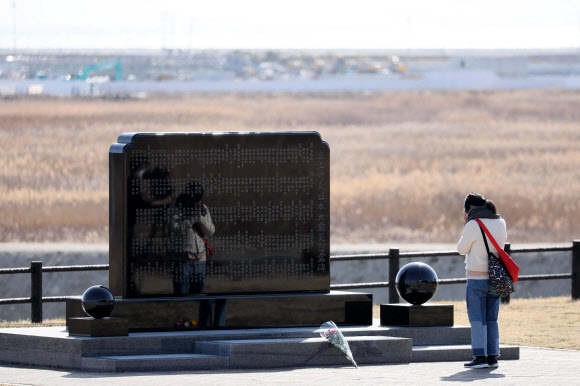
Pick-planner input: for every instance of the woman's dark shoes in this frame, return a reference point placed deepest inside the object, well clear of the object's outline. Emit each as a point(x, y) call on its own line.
point(492, 361)
point(479, 362)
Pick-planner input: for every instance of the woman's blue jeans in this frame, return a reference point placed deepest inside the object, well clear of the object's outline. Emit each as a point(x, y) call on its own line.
point(482, 310)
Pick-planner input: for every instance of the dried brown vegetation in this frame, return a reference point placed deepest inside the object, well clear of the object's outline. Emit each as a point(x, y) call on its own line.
point(539, 322)
point(401, 161)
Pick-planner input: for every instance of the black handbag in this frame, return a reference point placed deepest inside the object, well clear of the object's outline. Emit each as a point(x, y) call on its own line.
point(499, 280)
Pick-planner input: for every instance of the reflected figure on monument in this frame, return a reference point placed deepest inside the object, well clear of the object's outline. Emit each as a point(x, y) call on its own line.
point(191, 225)
point(151, 196)
point(154, 193)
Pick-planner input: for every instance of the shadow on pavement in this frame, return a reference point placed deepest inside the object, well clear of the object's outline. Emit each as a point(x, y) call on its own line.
point(473, 375)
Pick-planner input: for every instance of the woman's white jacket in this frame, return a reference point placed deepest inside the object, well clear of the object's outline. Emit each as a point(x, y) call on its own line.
point(471, 243)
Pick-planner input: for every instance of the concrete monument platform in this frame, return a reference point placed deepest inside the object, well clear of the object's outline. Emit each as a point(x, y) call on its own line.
point(245, 348)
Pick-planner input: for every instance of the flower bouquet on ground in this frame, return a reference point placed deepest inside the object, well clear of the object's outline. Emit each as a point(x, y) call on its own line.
point(331, 333)
point(185, 323)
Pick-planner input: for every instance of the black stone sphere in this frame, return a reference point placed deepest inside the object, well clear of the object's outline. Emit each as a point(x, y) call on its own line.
point(98, 301)
point(416, 283)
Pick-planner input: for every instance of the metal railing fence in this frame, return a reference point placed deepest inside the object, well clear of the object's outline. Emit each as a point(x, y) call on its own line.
point(36, 271)
point(394, 257)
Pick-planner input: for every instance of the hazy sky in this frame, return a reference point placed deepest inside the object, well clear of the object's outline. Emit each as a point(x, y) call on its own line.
point(320, 24)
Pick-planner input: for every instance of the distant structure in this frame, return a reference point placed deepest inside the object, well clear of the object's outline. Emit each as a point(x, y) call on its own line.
point(121, 74)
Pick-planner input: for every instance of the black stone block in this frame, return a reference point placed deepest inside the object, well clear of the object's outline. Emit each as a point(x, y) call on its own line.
point(268, 197)
point(98, 327)
point(358, 313)
point(425, 315)
point(239, 311)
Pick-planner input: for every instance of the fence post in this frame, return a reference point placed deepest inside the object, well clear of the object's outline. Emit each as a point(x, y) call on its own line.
point(393, 270)
point(506, 299)
point(36, 291)
point(576, 269)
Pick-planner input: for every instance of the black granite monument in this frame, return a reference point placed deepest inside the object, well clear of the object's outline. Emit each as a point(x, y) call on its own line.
point(214, 230)
point(264, 196)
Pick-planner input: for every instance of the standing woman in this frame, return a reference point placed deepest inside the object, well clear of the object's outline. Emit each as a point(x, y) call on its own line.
point(482, 301)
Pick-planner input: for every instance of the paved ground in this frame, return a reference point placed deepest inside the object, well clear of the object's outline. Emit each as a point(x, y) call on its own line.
point(536, 366)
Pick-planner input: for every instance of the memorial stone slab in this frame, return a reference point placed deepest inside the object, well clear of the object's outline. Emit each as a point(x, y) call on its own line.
point(219, 213)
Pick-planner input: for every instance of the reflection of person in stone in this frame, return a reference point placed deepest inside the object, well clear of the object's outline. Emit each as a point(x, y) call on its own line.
point(154, 192)
point(482, 300)
point(192, 223)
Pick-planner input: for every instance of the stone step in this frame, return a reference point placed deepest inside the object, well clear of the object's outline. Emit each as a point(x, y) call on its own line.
point(52, 346)
point(290, 352)
point(160, 362)
point(184, 342)
point(429, 335)
point(449, 353)
point(298, 352)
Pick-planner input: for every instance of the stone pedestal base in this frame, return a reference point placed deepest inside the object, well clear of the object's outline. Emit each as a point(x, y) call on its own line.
point(238, 311)
point(98, 327)
point(425, 315)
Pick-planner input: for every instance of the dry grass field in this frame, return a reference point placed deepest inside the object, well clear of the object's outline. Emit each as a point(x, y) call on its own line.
point(401, 161)
point(540, 322)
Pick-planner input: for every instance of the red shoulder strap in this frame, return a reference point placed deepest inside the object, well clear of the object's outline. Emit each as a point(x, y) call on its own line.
point(489, 236)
